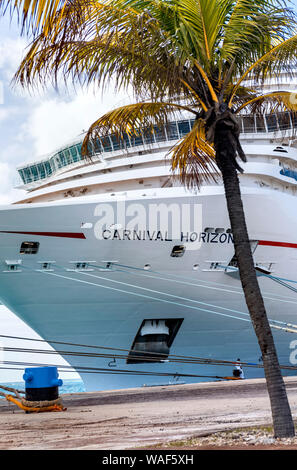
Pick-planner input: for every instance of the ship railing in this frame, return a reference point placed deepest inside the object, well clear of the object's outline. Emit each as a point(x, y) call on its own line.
point(71, 156)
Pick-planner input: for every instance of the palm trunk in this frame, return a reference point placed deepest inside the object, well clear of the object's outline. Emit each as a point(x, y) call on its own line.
point(281, 413)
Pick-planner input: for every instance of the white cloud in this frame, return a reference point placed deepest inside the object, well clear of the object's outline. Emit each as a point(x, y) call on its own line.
point(4, 113)
point(5, 175)
point(11, 54)
point(56, 121)
point(34, 125)
point(1, 93)
point(8, 112)
point(8, 177)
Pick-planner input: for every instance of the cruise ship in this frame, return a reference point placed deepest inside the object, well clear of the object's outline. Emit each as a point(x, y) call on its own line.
point(132, 278)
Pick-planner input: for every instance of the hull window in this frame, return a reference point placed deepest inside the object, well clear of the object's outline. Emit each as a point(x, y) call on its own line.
point(178, 251)
point(153, 340)
point(29, 248)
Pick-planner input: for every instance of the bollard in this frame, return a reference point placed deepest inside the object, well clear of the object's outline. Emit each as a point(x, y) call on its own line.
point(42, 383)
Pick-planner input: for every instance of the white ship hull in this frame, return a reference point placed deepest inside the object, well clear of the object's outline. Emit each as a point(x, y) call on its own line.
point(106, 304)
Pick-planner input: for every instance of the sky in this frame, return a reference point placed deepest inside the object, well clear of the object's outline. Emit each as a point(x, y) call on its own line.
point(32, 126)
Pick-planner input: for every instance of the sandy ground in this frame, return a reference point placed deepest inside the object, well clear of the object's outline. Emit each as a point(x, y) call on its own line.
point(135, 418)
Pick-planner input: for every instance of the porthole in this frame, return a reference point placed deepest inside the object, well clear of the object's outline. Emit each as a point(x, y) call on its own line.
point(196, 267)
point(29, 248)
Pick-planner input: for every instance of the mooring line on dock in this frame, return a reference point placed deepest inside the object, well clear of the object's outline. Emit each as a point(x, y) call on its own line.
point(182, 359)
point(151, 359)
point(82, 369)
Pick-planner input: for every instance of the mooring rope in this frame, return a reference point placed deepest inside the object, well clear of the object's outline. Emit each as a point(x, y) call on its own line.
point(84, 369)
point(30, 406)
point(171, 358)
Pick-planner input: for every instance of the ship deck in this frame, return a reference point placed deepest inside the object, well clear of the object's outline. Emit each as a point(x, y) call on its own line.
point(144, 417)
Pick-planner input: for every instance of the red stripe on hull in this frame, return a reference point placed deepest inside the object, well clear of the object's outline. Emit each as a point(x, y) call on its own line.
point(279, 244)
point(50, 234)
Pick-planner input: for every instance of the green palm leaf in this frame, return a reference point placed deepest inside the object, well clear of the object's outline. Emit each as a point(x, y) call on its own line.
point(132, 120)
point(36, 14)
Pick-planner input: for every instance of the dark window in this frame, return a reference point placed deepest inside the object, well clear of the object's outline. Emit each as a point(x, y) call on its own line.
point(78, 147)
point(284, 120)
point(74, 154)
point(178, 251)
point(260, 124)
point(41, 170)
point(62, 158)
point(22, 175)
point(34, 172)
point(159, 133)
point(249, 124)
point(136, 139)
point(125, 141)
point(105, 141)
point(48, 168)
point(29, 248)
point(183, 127)
point(172, 131)
point(271, 123)
point(148, 135)
point(116, 142)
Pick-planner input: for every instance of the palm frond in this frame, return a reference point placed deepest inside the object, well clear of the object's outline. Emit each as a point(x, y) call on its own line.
point(99, 62)
point(268, 102)
point(193, 158)
point(253, 26)
point(104, 42)
point(156, 45)
point(202, 21)
point(131, 120)
point(35, 15)
point(276, 59)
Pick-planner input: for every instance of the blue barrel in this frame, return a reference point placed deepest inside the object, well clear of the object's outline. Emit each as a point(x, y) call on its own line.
point(42, 383)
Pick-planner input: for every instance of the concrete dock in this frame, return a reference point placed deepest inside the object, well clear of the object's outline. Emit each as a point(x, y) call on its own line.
point(135, 418)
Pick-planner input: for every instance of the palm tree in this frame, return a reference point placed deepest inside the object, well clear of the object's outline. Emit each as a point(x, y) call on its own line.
point(206, 57)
